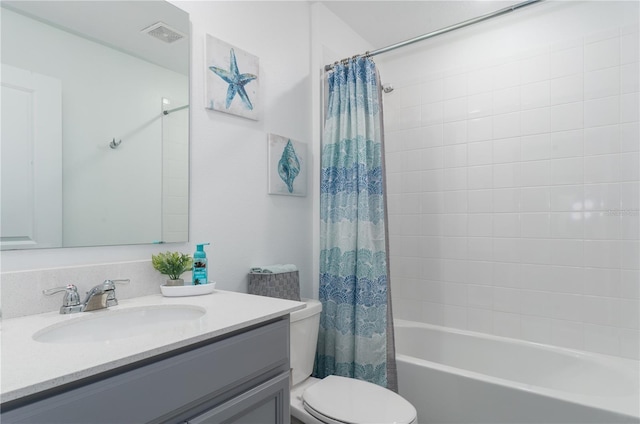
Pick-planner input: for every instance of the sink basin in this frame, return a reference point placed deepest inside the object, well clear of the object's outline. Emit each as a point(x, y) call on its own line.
point(106, 325)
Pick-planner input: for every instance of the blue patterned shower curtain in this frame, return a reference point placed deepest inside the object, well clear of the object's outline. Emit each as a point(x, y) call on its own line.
point(354, 339)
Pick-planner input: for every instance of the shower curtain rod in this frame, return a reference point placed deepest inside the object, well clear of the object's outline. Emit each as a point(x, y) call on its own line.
point(166, 112)
point(440, 31)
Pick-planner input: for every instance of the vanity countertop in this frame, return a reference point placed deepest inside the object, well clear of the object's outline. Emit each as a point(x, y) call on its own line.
point(29, 366)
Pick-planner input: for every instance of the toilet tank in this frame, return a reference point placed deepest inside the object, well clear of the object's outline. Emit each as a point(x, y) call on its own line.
point(304, 338)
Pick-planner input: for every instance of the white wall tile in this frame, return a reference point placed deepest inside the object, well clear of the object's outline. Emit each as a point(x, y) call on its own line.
point(629, 107)
point(567, 144)
point(506, 75)
point(454, 109)
point(604, 111)
point(567, 225)
point(535, 173)
point(566, 89)
point(602, 54)
point(480, 224)
point(512, 180)
point(601, 169)
point(480, 201)
point(629, 78)
point(535, 147)
point(629, 137)
point(566, 62)
point(480, 320)
point(535, 121)
point(480, 248)
point(480, 273)
point(506, 100)
point(535, 68)
point(536, 329)
point(601, 339)
point(507, 125)
point(602, 140)
point(455, 179)
point(455, 155)
point(479, 129)
point(602, 83)
point(535, 199)
point(506, 225)
point(506, 200)
point(455, 86)
point(568, 116)
point(480, 177)
point(506, 150)
point(480, 81)
point(506, 175)
point(629, 48)
point(535, 225)
point(455, 132)
point(601, 197)
point(480, 153)
point(432, 113)
point(507, 274)
point(535, 95)
point(567, 171)
point(479, 105)
point(601, 226)
point(568, 252)
point(432, 91)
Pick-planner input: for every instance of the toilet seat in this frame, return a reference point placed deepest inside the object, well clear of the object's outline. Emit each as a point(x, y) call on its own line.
point(340, 400)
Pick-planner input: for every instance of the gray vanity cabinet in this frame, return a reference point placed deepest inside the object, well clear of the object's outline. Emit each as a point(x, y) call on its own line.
point(242, 378)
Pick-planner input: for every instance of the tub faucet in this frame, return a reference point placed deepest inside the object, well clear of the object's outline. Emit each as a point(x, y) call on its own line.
point(99, 297)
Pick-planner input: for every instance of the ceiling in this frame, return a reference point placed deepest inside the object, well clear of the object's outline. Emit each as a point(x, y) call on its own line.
point(117, 24)
point(383, 23)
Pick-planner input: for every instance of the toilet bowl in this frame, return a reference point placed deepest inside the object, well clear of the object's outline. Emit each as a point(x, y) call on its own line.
point(334, 399)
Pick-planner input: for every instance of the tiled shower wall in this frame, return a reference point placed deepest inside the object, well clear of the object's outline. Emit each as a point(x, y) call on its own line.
point(513, 196)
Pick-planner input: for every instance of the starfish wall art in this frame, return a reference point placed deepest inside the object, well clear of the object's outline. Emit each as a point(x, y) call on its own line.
point(232, 80)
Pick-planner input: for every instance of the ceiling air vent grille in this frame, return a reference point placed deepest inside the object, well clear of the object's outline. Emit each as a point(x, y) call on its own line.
point(164, 32)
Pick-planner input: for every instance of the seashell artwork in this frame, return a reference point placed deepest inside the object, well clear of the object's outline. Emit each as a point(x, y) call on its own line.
point(287, 166)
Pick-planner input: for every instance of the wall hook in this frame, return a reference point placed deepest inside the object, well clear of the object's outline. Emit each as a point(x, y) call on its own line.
point(114, 144)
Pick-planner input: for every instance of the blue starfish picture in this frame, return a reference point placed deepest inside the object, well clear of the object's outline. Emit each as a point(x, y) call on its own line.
point(236, 82)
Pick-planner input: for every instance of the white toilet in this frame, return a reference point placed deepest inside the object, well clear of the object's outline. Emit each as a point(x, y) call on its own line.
point(335, 400)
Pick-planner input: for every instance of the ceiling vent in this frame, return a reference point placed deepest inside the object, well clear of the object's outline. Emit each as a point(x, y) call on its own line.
point(163, 32)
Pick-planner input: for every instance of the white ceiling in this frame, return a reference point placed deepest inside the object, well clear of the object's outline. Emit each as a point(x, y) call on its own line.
point(383, 23)
point(117, 24)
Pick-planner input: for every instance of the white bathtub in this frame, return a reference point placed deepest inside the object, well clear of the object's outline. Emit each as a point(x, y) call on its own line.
point(455, 376)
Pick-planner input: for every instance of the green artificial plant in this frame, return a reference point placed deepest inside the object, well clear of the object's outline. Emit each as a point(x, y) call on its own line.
point(172, 264)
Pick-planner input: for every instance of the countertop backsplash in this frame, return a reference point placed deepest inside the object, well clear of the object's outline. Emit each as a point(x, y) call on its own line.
point(22, 290)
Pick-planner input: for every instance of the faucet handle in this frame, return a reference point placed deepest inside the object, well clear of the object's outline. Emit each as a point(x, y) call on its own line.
point(71, 296)
point(111, 285)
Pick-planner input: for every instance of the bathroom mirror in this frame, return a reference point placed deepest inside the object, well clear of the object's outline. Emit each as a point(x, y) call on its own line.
point(95, 123)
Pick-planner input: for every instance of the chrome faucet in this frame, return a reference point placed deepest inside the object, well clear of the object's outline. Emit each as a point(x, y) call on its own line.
point(100, 297)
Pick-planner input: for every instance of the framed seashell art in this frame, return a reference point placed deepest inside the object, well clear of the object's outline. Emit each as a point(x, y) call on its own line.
point(287, 166)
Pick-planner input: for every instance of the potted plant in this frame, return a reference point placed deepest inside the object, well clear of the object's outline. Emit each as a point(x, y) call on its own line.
point(172, 264)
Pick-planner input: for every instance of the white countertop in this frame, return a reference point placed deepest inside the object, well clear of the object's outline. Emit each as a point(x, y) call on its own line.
point(29, 366)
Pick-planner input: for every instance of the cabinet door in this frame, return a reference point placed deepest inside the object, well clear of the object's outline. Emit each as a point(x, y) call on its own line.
point(267, 403)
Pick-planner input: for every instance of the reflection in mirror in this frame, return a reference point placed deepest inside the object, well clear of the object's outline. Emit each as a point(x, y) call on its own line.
point(95, 123)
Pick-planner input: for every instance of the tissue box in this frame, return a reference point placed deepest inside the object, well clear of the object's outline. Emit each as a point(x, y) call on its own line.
point(285, 285)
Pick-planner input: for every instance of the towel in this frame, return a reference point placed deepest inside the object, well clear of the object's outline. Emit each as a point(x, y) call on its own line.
point(274, 269)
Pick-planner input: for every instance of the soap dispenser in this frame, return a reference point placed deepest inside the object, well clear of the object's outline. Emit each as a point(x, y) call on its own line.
point(200, 265)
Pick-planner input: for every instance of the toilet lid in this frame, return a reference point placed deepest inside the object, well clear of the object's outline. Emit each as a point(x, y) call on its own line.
point(348, 400)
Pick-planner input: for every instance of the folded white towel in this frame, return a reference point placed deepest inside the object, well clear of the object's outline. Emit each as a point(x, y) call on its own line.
point(274, 269)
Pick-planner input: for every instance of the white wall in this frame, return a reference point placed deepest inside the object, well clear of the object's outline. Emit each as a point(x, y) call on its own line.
point(512, 152)
point(103, 188)
point(230, 206)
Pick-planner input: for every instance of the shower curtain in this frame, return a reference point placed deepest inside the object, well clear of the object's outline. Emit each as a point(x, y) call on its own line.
point(356, 330)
